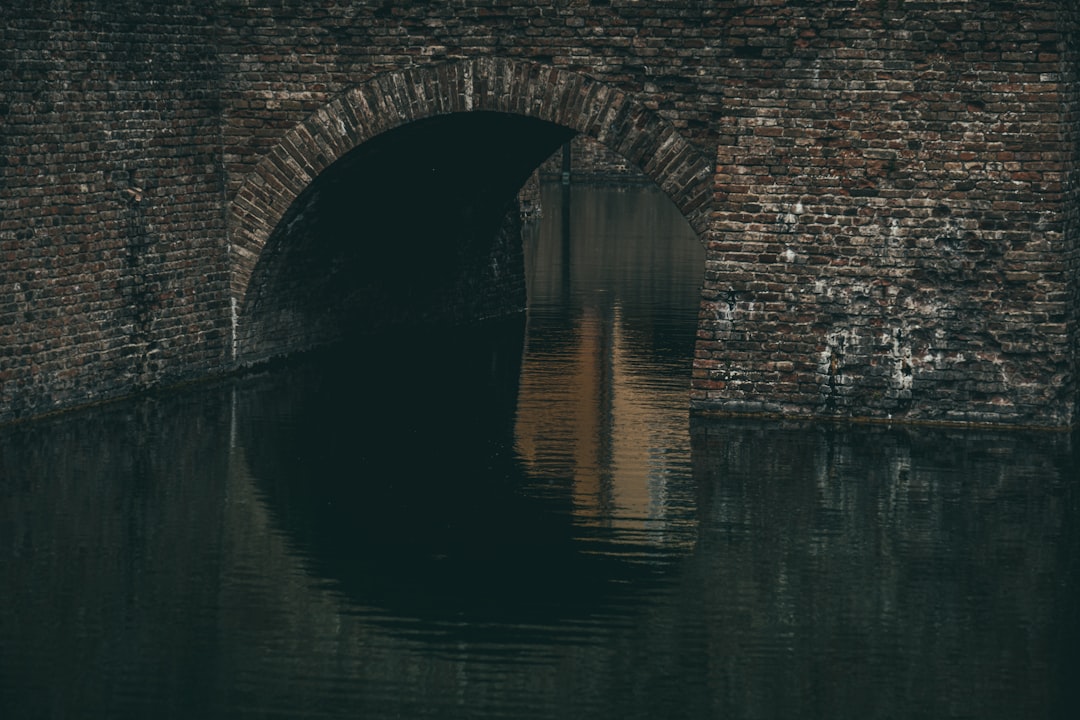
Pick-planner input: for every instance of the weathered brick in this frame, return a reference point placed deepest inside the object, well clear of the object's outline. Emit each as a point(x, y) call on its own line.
point(146, 156)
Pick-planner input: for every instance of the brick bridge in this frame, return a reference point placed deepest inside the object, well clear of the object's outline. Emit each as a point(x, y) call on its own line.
point(887, 189)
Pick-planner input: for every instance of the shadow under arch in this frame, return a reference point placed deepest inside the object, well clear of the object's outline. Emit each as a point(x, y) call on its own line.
point(431, 516)
point(394, 100)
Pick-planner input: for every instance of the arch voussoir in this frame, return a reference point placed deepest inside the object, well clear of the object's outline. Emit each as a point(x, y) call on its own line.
point(309, 143)
point(529, 90)
point(389, 109)
point(293, 158)
point(330, 129)
point(543, 90)
point(283, 173)
point(612, 127)
point(444, 77)
point(565, 92)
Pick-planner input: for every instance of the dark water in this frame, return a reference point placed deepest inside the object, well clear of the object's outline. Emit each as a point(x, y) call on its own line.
point(449, 527)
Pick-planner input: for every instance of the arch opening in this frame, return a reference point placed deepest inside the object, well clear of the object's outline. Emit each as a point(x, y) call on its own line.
point(414, 227)
point(397, 201)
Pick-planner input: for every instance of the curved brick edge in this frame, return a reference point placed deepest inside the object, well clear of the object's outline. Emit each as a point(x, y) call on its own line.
point(397, 98)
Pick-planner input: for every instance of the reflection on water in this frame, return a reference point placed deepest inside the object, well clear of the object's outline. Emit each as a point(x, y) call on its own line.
point(606, 371)
point(871, 572)
point(444, 526)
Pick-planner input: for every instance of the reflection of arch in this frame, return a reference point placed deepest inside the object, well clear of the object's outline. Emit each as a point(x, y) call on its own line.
point(488, 84)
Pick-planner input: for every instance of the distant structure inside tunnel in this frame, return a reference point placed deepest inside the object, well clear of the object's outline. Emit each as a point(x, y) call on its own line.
point(888, 190)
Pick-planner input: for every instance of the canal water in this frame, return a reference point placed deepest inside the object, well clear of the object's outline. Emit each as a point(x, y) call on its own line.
point(527, 524)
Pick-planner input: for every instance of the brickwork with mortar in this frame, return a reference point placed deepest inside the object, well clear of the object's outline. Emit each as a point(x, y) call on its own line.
point(887, 189)
point(892, 234)
point(112, 212)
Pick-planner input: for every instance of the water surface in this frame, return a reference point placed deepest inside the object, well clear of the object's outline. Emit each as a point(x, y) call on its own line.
point(525, 523)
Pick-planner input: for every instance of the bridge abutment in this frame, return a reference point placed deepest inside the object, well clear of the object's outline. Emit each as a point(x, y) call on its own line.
point(894, 228)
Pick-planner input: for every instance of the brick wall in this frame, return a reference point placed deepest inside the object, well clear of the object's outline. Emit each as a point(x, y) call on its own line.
point(1070, 71)
point(111, 213)
point(891, 225)
point(890, 236)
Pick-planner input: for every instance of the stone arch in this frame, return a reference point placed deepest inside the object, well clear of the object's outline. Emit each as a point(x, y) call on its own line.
point(398, 98)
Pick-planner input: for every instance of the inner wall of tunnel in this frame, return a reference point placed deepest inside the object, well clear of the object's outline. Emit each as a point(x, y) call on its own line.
point(418, 226)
